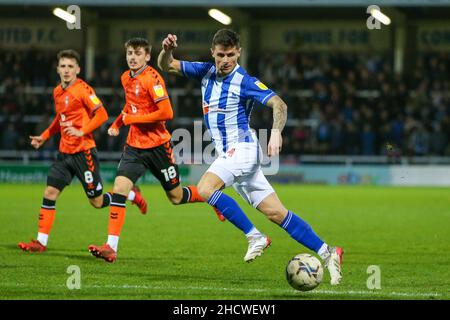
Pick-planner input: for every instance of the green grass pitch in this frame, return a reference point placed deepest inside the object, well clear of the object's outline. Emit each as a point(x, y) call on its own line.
point(185, 252)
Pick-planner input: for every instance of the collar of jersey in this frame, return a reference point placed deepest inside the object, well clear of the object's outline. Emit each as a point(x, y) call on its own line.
point(65, 88)
point(233, 71)
point(139, 72)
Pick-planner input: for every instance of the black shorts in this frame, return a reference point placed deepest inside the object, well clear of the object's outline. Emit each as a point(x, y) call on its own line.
point(84, 165)
point(158, 160)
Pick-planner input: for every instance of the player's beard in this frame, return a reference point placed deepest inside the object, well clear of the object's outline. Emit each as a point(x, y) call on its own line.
point(224, 70)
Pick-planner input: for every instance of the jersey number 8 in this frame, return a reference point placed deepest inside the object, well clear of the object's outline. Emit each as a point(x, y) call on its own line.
point(88, 177)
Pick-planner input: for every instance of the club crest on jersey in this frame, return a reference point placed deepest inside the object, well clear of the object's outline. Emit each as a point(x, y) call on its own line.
point(94, 99)
point(159, 91)
point(63, 117)
point(261, 85)
point(205, 108)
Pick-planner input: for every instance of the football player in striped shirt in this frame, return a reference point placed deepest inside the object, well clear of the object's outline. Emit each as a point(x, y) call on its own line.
point(228, 94)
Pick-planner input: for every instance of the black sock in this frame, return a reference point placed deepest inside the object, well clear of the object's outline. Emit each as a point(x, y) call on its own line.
point(186, 195)
point(106, 199)
point(48, 204)
point(118, 199)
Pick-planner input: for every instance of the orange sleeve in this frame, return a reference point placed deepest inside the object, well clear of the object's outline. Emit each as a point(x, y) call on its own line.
point(90, 99)
point(157, 88)
point(97, 120)
point(118, 122)
point(52, 129)
point(163, 113)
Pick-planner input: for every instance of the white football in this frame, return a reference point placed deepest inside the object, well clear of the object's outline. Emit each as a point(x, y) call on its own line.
point(304, 272)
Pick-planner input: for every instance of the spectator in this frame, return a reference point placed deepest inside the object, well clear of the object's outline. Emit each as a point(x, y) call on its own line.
point(323, 89)
point(10, 137)
point(367, 140)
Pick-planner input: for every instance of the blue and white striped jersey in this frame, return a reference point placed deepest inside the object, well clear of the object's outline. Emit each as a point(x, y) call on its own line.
point(227, 101)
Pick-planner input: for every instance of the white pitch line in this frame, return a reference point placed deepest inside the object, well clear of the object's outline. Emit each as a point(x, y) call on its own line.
point(351, 292)
point(315, 292)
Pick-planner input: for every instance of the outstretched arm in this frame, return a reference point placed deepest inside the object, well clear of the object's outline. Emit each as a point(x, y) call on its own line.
point(113, 130)
point(166, 61)
point(53, 128)
point(279, 121)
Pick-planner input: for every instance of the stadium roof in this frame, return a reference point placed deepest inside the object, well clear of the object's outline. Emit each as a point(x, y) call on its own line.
point(249, 13)
point(228, 3)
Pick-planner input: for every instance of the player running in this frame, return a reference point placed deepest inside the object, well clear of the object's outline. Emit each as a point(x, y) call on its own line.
point(78, 113)
point(228, 94)
point(148, 145)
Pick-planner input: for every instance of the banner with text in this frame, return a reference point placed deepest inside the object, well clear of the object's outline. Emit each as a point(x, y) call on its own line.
point(192, 35)
point(26, 34)
point(329, 35)
point(37, 173)
point(434, 36)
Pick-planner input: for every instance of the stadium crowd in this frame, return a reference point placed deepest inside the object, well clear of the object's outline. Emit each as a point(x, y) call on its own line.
point(339, 103)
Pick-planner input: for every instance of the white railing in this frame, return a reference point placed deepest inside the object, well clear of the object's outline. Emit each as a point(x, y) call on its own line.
point(30, 156)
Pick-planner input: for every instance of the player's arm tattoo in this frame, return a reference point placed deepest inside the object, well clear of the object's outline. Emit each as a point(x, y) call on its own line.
point(279, 112)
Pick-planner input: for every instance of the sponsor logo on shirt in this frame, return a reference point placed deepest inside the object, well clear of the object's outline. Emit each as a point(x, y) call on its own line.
point(94, 99)
point(261, 85)
point(65, 123)
point(159, 91)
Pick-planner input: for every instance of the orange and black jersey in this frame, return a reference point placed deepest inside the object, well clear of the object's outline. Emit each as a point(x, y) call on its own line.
point(76, 106)
point(147, 107)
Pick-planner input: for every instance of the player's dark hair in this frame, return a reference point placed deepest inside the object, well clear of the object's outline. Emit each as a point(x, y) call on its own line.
point(136, 43)
point(226, 38)
point(69, 54)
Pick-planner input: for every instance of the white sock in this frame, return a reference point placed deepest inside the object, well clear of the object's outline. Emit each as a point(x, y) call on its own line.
point(131, 195)
point(113, 242)
point(253, 232)
point(323, 251)
point(42, 238)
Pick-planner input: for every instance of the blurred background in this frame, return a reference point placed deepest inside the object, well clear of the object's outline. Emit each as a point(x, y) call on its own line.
point(368, 103)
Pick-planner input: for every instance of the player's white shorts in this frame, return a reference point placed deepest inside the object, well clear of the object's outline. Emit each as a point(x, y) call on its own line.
point(240, 166)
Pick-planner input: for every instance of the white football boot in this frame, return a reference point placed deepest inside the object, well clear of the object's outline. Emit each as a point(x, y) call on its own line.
point(333, 263)
point(256, 246)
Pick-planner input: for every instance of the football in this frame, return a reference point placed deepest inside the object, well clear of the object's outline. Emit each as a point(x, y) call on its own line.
point(304, 272)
